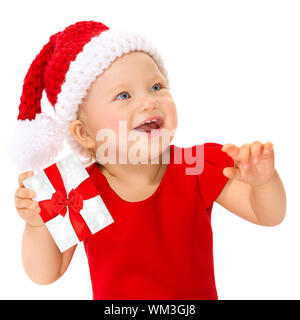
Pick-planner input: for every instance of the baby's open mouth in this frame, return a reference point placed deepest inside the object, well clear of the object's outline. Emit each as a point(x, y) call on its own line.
point(150, 125)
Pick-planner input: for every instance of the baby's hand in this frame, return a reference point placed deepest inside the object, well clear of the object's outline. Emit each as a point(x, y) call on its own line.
point(27, 208)
point(253, 163)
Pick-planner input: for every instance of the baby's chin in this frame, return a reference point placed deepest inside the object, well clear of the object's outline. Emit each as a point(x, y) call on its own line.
point(142, 150)
point(146, 152)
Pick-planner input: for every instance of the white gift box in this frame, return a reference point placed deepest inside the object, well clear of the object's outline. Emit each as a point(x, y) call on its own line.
point(62, 187)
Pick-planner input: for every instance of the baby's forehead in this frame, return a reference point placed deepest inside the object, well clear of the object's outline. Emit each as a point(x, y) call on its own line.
point(128, 78)
point(131, 68)
point(133, 62)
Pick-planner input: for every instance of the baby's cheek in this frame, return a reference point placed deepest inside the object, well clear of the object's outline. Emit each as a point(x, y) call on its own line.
point(107, 121)
point(171, 115)
point(114, 126)
point(118, 125)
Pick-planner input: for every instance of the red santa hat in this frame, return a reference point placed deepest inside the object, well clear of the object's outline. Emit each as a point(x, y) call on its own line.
point(66, 67)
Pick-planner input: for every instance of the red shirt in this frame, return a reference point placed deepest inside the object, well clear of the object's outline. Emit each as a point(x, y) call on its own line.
point(160, 247)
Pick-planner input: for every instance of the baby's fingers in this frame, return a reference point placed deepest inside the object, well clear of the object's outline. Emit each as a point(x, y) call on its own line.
point(25, 203)
point(231, 149)
point(232, 173)
point(255, 148)
point(244, 154)
point(29, 214)
point(24, 176)
point(25, 193)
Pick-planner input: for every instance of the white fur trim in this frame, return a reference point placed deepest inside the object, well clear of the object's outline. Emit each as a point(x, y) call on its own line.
point(96, 56)
point(34, 144)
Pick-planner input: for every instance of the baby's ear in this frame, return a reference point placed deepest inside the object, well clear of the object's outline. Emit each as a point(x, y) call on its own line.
point(89, 142)
point(73, 127)
point(78, 131)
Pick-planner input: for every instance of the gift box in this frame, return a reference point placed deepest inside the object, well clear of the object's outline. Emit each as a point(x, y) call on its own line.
point(71, 206)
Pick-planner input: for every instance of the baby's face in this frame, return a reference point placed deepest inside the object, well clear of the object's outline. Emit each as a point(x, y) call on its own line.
point(131, 90)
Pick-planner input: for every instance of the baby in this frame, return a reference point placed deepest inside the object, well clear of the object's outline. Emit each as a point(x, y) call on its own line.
point(160, 245)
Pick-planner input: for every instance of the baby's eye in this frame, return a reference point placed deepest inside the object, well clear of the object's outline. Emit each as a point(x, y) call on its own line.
point(158, 85)
point(121, 94)
point(124, 93)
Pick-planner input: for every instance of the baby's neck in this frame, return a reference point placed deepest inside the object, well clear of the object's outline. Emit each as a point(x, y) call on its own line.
point(130, 174)
point(147, 175)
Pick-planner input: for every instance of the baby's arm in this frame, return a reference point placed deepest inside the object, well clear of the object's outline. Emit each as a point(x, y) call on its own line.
point(263, 205)
point(42, 260)
point(254, 190)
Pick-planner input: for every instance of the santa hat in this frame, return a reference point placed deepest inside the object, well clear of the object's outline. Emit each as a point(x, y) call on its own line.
point(66, 67)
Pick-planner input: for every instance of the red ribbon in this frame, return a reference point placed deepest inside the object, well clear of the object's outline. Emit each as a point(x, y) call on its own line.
point(74, 201)
point(60, 202)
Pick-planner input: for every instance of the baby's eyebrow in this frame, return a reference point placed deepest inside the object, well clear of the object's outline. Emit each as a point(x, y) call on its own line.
point(121, 85)
point(157, 75)
point(117, 87)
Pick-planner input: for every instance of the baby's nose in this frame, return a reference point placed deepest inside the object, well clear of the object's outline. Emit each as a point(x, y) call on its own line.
point(148, 105)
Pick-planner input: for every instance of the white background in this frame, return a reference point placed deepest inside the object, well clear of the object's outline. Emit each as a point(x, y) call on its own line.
point(234, 73)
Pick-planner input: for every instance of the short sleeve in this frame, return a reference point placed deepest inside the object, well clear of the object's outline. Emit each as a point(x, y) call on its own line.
point(212, 180)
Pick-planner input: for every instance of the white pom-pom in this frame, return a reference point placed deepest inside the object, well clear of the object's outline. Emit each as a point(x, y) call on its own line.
point(35, 143)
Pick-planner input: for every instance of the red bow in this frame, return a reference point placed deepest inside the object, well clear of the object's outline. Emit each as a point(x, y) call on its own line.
point(60, 202)
point(57, 205)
